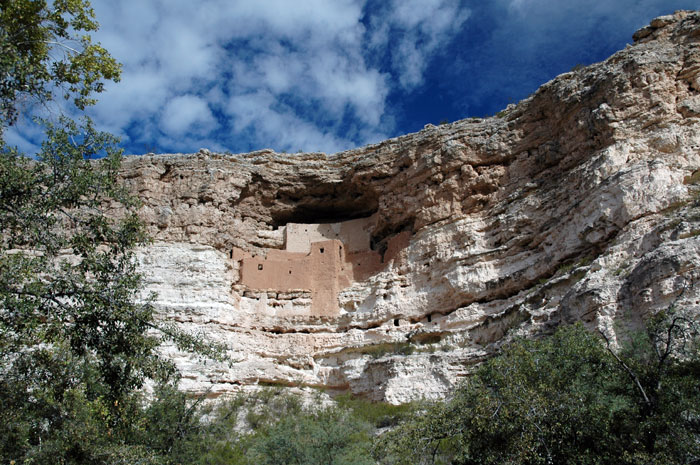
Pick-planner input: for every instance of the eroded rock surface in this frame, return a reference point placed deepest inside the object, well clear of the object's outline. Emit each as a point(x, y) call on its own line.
point(579, 203)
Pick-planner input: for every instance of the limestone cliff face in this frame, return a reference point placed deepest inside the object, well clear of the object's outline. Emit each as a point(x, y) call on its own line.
point(578, 204)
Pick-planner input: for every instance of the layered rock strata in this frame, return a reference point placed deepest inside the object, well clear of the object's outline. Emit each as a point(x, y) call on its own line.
point(579, 203)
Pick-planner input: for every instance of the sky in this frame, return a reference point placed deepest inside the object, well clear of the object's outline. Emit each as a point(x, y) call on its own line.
point(330, 75)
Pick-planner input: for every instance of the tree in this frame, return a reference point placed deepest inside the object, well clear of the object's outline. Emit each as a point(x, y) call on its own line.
point(46, 48)
point(661, 367)
point(76, 346)
point(563, 399)
point(72, 335)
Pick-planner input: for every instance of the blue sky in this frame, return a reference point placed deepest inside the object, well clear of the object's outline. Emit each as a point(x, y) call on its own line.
point(329, 75)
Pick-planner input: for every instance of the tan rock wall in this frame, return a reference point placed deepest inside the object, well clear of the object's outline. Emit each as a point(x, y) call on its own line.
point(579, 203)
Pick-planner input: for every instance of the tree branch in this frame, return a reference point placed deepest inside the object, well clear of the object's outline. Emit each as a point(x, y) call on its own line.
point(629, 371)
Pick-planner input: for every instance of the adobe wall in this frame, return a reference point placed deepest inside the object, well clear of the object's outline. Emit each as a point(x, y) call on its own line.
point(354, 234)
point(324, 271)
point(280, 270)
point(312, 262)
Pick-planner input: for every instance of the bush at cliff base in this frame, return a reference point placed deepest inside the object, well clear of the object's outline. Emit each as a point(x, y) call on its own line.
point(567, 399)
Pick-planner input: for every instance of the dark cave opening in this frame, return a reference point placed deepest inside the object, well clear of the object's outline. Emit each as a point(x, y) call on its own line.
point(332, 211)
point(313, 201)
point(381, 235)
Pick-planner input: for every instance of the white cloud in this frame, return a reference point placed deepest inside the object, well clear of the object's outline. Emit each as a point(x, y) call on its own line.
point(256, 113)
point(23, 138)
point(320, 75)
point(288, 74)
point(420, 27)
point(187, 113)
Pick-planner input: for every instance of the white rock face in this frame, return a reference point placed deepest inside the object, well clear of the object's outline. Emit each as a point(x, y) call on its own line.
point(579, 204)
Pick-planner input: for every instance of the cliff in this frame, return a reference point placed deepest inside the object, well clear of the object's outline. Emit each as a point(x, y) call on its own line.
point(579, 203)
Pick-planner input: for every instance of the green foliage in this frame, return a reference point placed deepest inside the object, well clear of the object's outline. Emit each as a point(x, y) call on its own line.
point(563, 399)
point(283, 432)
point(379, 414)
point(74, 346)
point(324, 436)
point(67, 274)
point(45, 46)
point(266, 407)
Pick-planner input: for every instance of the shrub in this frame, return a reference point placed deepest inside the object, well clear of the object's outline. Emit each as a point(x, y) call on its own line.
point(564, 399)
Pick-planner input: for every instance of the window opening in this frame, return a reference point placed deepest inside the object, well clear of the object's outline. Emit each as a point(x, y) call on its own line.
point(260, 267)
point(396, 322)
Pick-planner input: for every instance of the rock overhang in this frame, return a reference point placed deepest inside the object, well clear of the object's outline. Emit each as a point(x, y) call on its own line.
point(511, 225)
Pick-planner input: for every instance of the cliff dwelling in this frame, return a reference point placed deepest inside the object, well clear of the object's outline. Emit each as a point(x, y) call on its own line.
point(517, 224)
point(321, 258)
